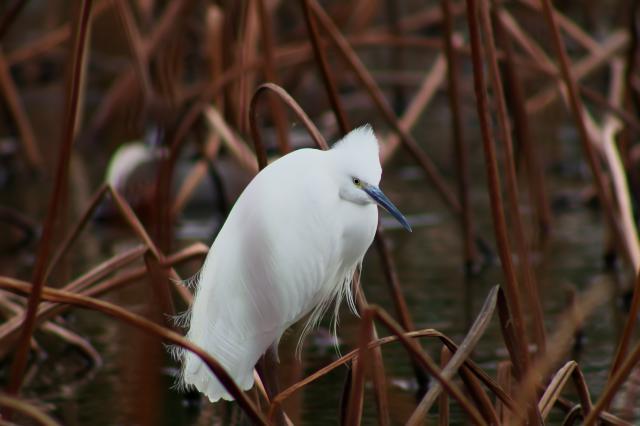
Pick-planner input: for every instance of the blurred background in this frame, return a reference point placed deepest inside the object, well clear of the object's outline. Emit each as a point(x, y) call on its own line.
point(166, 99)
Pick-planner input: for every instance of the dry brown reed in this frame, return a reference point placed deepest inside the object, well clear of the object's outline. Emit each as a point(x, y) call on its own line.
point(252, 55)
point(60, 184)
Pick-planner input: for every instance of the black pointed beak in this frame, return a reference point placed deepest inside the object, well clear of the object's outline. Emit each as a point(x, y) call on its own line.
point(379, 197)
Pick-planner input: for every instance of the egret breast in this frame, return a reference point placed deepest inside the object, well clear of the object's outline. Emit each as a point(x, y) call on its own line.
point(359, 229)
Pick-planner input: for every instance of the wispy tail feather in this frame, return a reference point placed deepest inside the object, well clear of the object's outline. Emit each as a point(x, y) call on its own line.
point(196, 374)
point(238, 358)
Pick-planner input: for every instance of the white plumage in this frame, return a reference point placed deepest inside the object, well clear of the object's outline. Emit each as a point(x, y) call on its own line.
point(289, 247)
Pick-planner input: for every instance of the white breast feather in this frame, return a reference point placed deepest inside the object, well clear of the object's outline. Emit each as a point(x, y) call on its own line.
point(254, 285)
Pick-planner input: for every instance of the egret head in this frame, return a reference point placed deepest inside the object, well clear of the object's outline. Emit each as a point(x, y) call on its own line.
point(357, 159)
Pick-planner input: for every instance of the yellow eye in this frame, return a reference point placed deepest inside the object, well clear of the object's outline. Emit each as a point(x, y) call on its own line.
point(357, 182)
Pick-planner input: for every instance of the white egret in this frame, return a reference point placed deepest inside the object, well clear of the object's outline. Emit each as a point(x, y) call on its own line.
point(288, 248)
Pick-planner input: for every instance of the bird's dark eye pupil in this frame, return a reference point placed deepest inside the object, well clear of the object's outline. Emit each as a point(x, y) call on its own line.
point(356, 181)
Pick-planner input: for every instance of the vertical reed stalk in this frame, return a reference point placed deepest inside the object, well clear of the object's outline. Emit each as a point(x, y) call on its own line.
point(325, 72)
point(135, 44)
point(356, 398)
point(461, 150)
point(10, 16)
point(215, 49)
point(613, 385)
point(479, 396)
point(396, 55)
point(75, 82)
point(578, 114)
point(522, 130)
point(504, 381)
point(160, 289)
point(25, 129)
point(443, 399)
point(367, 80)
point(528, 277)
point(244, 39)
point(629, 326)
point(399, 302)
point(491, 164)
point(271, 75)
point(343, 121)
